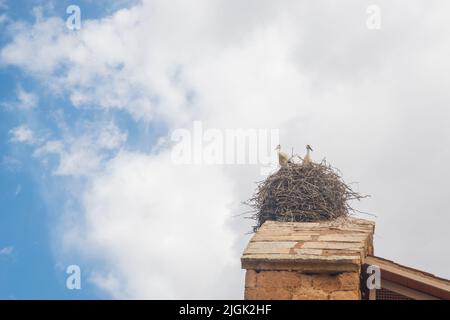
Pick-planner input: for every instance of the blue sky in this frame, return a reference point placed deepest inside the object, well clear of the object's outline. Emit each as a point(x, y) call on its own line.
point(87, 175)
point(28, 269)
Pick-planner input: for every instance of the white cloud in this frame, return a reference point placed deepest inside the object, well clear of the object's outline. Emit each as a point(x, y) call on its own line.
point(26, 100)
point(6, 251)
point(161, 228)
point(26, 50)
point(22, 134)
point(374, 103)
point(81, 155)
point(110, 137)
point(144, 73)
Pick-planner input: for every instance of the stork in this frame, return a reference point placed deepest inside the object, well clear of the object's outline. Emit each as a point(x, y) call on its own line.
point(307, 159)
point(283, 158)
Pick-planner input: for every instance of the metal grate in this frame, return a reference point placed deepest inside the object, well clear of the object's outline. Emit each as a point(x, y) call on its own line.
point(385, 294)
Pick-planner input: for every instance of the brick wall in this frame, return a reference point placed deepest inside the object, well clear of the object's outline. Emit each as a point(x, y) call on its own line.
point(288, 285)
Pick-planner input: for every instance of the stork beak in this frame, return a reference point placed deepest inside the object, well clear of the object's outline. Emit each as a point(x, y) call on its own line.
point(309, 147)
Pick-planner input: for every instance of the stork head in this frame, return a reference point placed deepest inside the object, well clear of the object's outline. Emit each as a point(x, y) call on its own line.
point(308, 147)
point(278, 147)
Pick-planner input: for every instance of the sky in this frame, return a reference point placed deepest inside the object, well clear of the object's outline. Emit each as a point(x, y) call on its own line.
point(90, 117)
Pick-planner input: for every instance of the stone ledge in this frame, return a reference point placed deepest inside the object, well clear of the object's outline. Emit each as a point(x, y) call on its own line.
point(307, 266)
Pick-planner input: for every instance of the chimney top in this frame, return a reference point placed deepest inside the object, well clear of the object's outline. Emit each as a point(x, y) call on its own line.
point(317, 247)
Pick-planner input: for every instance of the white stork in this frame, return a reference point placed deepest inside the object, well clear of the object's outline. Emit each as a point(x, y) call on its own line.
point(307, 159)
point(283, 158)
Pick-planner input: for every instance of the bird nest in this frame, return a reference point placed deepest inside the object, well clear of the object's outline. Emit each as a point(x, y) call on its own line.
point(302, 193)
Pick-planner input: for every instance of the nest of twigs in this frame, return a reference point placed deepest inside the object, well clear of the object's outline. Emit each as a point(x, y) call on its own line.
point(302, 193)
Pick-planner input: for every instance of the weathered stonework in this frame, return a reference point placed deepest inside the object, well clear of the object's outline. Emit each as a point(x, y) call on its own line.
point(297, 285)
point(307, 261)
